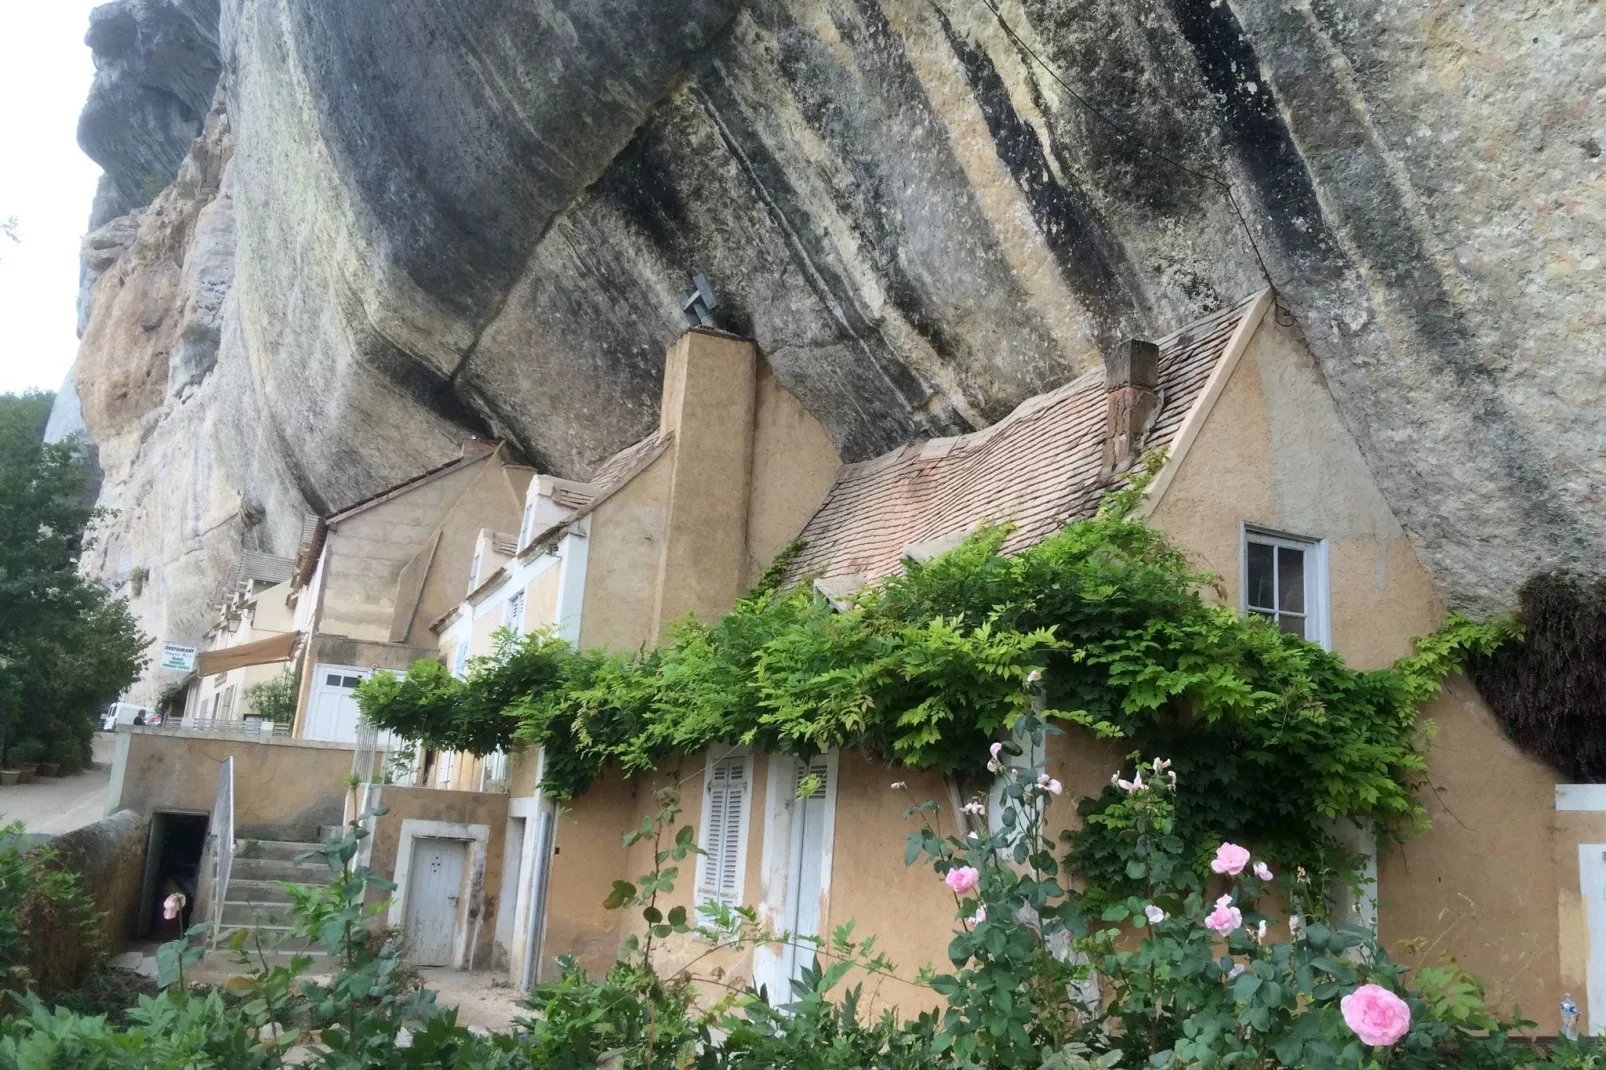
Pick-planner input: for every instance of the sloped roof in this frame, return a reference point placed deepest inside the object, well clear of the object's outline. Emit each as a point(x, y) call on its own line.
point(1039, 469)
point(625, 461)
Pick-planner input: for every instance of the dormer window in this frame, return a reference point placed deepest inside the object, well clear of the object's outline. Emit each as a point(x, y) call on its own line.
point(1285, 581)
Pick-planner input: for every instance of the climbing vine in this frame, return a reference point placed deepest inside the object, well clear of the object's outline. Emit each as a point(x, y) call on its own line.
point(1273, 738)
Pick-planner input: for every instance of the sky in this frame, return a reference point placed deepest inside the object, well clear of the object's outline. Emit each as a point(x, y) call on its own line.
point(47, 183)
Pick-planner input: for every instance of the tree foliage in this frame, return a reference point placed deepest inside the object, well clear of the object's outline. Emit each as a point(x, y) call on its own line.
point(1274, 737)
point(67, 647)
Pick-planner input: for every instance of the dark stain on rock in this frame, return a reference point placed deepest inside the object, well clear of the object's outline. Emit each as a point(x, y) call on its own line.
point(1086, 253)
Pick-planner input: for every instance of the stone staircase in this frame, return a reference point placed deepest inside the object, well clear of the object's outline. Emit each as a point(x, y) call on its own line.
point(257, 901)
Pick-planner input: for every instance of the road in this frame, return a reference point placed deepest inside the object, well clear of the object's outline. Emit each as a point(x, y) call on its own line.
point(53, 805)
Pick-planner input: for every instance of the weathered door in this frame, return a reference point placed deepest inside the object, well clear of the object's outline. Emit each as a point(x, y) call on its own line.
point(332, 712)
point(433, 893)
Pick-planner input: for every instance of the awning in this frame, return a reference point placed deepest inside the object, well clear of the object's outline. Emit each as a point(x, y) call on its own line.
point(261, 652)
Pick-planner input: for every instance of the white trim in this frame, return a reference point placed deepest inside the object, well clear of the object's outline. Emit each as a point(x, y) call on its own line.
point(572, 549)
point(1580, 798)
point(1592, 890)
point(1194, 421)
point(1318, 596)
point(473, 874)
point(744, 824)
point(775, 864)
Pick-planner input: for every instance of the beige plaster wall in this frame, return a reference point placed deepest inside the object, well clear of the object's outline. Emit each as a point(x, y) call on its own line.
point(365, 553)
point(494, 500)
point(622, 559)
point(282, 790)
point(794, 464)
point(541, 600)
point(456, 807)
point(1273, 452)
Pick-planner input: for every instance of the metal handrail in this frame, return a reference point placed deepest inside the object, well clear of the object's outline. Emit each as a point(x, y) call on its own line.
point(222, 843)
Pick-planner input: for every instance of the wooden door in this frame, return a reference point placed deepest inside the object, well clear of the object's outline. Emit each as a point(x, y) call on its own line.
point(434, 891)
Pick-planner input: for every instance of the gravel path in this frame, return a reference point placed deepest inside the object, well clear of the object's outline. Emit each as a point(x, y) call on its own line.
point(53, 805)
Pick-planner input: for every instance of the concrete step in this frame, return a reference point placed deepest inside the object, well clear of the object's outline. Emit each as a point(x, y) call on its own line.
point(237, 914)
point(253, 891)
point(277, 850)
point(278, 948)
point(273, 869)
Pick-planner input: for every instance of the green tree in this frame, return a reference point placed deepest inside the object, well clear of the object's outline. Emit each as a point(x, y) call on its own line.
point(67, 647)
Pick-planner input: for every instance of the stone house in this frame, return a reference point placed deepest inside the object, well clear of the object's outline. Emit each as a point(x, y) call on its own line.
point(1263, 485)
point(376, 573)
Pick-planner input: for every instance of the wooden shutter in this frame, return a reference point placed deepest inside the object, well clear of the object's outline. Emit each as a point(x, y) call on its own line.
point(720, 877)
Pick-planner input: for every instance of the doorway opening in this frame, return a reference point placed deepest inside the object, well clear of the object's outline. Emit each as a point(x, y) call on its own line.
point(172, 864)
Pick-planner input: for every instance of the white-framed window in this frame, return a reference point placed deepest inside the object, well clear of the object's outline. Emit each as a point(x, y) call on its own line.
point(460, 660)
point(524, 524)
point(474, 572)
point(727, 804)
point(1285, 581)
point(448, 766)
point(513, 613)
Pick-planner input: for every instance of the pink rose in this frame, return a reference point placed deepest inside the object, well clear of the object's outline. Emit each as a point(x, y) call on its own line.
point(1154, 914)
point(978, 917)
point(1230, 858)
point(1263, 871)
point(996, 749)
point(963, 879)
point(1378, 1016)
point(172, 905)
point(1225, 918)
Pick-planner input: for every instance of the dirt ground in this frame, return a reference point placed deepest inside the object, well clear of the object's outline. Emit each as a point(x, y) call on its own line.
point(54, 805)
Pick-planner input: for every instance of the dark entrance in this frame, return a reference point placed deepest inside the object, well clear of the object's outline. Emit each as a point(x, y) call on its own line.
point(172, 864)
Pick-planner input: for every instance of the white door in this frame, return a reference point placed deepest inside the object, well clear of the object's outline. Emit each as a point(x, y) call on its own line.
point(433, 893)
point(332, 707)
point(803, 827)
point(1592, 885)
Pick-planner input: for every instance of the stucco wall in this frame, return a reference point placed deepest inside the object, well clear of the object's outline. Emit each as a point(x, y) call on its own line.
point(365, 553)
point(454, 807)
point(495, 500)
point(626, 543)
point(794, 464)
point(284, 790)
point(1273, 452)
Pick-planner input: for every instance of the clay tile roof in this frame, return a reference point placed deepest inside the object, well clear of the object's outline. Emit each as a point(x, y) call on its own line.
point(1039, 468)
point(625, 461)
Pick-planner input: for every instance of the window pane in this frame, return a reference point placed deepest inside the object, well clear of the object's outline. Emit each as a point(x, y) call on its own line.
point(1290, 580)
point(1258, 582)
point(1292, 623)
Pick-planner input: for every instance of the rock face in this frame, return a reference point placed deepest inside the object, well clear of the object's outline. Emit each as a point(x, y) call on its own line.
point(469, 217)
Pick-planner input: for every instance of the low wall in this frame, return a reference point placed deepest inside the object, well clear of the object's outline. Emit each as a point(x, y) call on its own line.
point(284, 789)
point(109, 859)
point(451, 808)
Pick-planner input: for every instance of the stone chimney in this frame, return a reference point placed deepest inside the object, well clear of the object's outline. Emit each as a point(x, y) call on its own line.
point(1132, 378)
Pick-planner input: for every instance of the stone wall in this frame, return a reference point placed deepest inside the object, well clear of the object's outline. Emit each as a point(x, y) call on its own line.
point(109, 858)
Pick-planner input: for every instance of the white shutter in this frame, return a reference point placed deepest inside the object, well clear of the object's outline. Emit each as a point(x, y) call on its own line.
point(818, 768)
point(724, 832)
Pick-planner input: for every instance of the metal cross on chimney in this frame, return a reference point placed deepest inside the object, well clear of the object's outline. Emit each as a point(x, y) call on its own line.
point(699, 304)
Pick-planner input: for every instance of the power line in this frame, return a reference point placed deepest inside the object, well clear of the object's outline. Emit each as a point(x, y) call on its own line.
point(1127, 136)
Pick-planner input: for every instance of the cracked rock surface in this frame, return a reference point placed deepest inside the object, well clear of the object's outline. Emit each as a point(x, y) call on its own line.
point(471, 217)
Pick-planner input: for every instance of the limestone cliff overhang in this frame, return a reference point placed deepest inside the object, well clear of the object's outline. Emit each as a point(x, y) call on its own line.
point(1040, 468)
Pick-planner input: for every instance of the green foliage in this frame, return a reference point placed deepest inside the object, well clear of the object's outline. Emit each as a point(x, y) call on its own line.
point(46, 918)
point(66, 646)
point(1275, 738)
point(274, 700)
